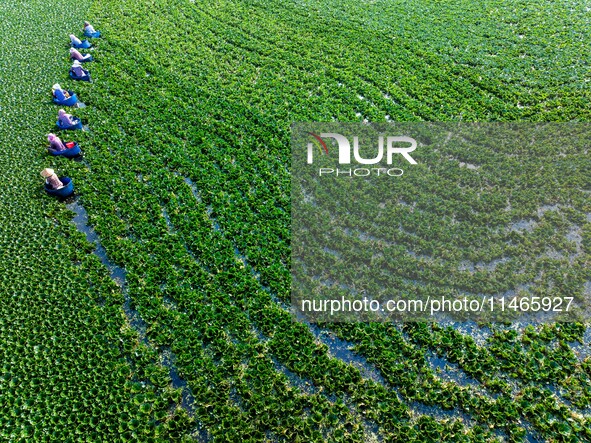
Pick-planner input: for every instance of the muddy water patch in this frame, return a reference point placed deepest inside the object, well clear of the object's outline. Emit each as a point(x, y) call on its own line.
point(522, 226)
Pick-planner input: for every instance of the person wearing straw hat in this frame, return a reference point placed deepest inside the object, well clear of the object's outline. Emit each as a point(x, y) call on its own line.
point(76, 55)
point(59, 93)
point(55, 143)
point(65, 119)
point(51, 179)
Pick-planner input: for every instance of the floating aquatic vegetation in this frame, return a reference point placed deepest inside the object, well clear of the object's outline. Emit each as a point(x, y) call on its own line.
point(212, 104)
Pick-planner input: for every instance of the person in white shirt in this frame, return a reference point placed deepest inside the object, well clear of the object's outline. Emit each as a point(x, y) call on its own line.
point(89, 31)
point(75, 40)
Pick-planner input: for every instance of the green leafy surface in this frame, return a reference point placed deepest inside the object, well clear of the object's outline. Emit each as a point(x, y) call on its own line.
point(186, 182)
point(67, 355)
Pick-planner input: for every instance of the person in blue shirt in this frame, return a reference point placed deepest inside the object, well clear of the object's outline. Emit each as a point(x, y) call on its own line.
point(59, 93)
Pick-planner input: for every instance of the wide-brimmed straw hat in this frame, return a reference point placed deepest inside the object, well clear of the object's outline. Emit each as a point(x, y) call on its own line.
point(47, 172)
